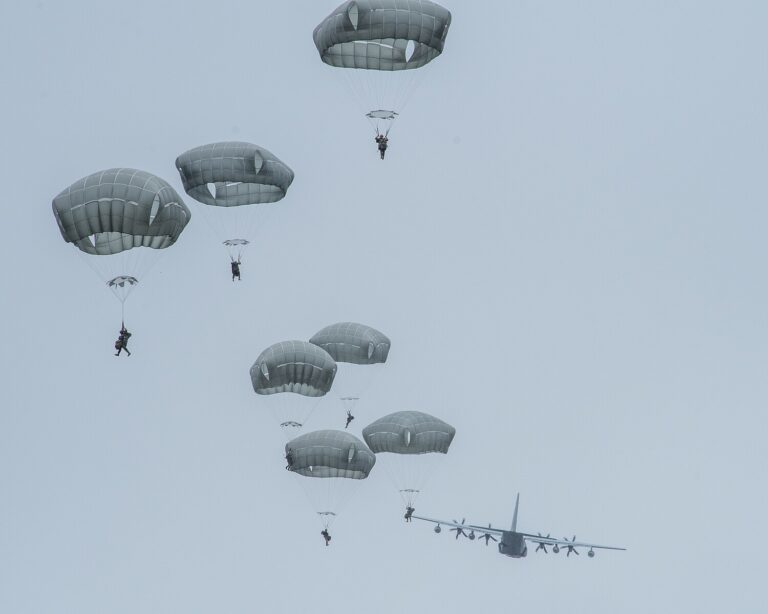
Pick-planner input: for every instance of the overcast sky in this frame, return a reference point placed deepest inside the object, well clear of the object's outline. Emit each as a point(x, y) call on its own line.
point(566, 245)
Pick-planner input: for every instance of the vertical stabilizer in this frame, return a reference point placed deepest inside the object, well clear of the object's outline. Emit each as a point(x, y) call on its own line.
point(514, 518)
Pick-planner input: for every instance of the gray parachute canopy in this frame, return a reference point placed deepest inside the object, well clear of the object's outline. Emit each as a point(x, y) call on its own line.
point(119, 209)
point(382, 114)
point(355, 343)
point(121, 281)
point(243, 174)
point(293, 366)
point(409, 432)
point(383, 34)
point(330, 454)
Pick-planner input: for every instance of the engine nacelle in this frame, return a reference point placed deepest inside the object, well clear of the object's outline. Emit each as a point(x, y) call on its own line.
point(556, 549)
point(591, 553)
point(437, 528)
point(471, 535)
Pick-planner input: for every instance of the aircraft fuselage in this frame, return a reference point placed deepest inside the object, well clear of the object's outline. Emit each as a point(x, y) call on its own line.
point(513, 544)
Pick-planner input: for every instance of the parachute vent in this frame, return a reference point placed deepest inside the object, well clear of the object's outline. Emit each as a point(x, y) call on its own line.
point(351, 454)
point(211, 189)
point(352, 13)
point(407, 437)
point(155, 209)
point(265, 370)
point(410, 49)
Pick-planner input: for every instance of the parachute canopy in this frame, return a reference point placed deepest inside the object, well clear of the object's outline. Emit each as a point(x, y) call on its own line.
point(384, 35)
point(118, 209)
point(293, 366)
point(330, 454)
point(240, 174)
point(409, 432)
point(235, 242)
point(382, 114)
point(354, 343)
point(121, 281)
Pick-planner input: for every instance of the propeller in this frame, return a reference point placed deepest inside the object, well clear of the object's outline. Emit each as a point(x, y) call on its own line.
point(488, 536)
point(571, 548)
point(459, 530)
point(543, 545)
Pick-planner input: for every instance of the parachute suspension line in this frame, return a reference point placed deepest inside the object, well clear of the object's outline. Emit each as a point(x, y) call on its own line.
point(328, 497)
point(370, 94)
point(408, 495)
point(290, 417)
point(89, 261)
point(312, 410)
point(416, 82)
point(366, 97)
point(312, 503)
point(349, 403)
point(358, 93)
point(362, 95)
point(108, 273)
point(214, 223)
point(391, 477)
point(410, 473)
point(244, 222)
point(250, 221)
point(371, 373)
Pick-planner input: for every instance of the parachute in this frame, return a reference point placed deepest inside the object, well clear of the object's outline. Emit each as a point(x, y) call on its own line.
point(352, 342)
point(112, 213)
point(228, 176)
point(382, 114)
point(295, 367)
point(336, 461)
point(385, 40)
point(412, 440)
point(360, 345)
point(122, 286)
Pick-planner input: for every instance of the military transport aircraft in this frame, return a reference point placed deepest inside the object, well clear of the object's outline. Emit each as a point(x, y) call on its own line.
point(513, 543)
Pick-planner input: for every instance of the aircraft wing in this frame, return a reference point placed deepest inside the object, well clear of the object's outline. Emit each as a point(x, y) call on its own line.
point(551, 541)
point(458, 525)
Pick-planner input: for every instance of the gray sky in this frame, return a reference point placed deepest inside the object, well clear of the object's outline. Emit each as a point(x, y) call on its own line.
point(565, 245)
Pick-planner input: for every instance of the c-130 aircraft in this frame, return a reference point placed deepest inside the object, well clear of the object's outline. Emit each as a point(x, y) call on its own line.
point(513, 543)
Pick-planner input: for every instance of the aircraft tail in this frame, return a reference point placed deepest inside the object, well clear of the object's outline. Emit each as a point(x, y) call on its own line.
point(514, 518)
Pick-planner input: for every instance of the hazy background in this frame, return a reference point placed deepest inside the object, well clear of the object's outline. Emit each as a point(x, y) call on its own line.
point(566, 245)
